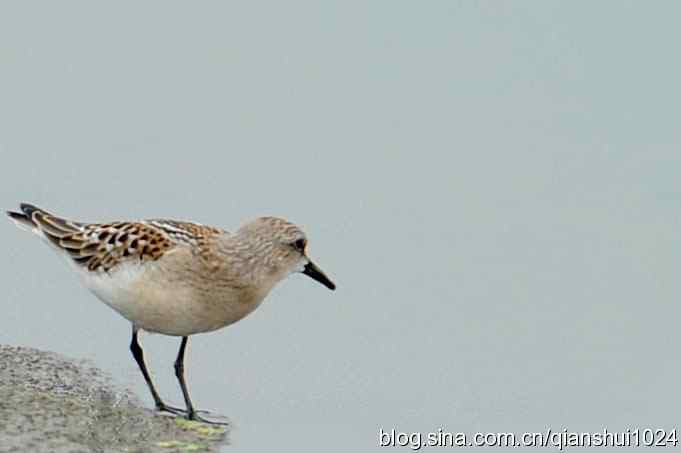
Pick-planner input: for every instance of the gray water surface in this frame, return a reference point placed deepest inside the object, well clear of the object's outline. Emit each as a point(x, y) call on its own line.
point(493, 186)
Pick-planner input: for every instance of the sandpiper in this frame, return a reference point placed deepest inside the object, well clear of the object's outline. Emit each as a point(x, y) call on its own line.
point(176, 278)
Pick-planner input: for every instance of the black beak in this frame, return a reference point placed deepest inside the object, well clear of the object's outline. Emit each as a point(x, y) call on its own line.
point(312, 271)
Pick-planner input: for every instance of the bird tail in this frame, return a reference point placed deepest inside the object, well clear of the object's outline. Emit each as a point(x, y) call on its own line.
point(42, 222)
point(24, 219)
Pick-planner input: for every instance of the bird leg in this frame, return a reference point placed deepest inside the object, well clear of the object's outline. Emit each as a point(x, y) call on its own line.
point(138, 354)
point(192, 414)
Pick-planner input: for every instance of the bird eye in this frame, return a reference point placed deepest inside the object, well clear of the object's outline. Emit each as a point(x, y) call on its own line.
point(299, 244)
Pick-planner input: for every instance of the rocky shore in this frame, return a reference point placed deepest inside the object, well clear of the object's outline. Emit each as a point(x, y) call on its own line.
point(49, 403)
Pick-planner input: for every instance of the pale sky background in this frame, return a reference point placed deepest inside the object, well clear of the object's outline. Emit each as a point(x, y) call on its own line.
point(494, 186)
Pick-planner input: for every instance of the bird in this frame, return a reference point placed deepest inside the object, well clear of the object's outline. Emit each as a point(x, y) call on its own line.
point(176, 278)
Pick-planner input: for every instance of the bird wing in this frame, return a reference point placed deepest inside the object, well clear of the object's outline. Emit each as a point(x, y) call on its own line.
point(103, 246)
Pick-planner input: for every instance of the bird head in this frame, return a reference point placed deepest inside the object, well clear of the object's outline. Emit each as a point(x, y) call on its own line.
point(281, 247)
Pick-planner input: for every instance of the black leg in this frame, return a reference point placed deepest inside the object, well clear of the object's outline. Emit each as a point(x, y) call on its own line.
point(138, 354)
point(179, 372)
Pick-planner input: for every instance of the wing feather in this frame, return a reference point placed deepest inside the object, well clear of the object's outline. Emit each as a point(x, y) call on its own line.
point(104, 246)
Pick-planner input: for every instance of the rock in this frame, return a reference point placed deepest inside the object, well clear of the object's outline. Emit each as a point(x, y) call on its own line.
point(49, 403)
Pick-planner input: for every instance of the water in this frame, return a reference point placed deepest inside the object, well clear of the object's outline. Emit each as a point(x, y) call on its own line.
point(493, 188)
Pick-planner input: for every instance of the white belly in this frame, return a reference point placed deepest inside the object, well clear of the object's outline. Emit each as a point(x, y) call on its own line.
point(143, 295)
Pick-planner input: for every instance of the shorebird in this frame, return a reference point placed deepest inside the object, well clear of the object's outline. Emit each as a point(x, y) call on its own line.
point(176, 278)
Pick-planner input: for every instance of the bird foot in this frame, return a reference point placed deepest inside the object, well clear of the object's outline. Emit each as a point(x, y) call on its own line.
point(163, 407)
point(194, 416)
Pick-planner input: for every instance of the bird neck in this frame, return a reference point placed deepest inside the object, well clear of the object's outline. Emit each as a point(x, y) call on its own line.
point(250, 261)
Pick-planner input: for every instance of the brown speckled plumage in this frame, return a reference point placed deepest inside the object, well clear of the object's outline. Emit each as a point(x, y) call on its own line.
point(103, 246)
